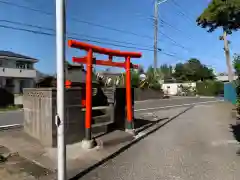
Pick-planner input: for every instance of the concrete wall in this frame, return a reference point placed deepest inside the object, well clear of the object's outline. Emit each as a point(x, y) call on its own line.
point(145, 94)
point(39, 115)
point(173, 88)
point(40, 108)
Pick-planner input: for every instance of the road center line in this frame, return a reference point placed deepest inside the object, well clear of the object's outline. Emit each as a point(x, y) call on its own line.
point(170, 99)
point(180, 105)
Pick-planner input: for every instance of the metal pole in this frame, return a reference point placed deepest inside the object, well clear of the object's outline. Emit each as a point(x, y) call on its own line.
point(60, 55)
point(155, 35)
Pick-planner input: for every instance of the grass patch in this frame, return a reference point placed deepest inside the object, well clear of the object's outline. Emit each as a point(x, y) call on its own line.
point(9, 108)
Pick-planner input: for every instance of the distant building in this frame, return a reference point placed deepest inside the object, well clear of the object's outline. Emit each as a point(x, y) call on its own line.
point(223, 77)
point(107, 78)
point(16, 71)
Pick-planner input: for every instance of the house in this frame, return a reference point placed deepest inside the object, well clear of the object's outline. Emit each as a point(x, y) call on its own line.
point(74, 73)
point(109, 78)
point(16, 72)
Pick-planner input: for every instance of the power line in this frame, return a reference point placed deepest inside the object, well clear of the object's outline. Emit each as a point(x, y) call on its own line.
point(168, 24)
point(172, 40)
point(70, 33)
point(81, 39)
point(91, 23)
point(181, 11)
point(174, 28)
point(75, 19)
point(180, 8)
point(71, 37)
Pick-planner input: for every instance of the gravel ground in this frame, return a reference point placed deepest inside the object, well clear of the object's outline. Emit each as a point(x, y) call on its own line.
point(198, 145)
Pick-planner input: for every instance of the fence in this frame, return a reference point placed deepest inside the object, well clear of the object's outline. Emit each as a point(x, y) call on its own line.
point(230, 93)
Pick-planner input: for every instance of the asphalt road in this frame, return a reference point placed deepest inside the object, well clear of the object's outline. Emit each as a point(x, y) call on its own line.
point(170, 103)
point(198, 145)
point(8, 118)
point(12, 117)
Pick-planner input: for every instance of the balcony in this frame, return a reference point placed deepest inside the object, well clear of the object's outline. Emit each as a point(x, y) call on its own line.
point(20, 73)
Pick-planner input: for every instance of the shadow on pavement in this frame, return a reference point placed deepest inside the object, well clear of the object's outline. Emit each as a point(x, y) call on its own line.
point(143, 124)
point(235, 129)
point(133, 142)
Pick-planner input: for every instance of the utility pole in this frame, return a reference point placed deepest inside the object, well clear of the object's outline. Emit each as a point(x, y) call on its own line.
point(227, 54)
point(155, 35)
point(60, 55)
point(156, 4)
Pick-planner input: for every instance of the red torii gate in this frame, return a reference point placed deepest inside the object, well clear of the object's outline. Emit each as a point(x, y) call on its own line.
point(89, 61)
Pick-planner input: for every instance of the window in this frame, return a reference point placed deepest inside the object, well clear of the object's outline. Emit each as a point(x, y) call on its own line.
point(1, 63)
point(29, 65)
point(23, 65)
point(20, 65)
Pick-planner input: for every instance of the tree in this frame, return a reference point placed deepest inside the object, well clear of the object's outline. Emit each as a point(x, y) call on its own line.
point(153, 78)
point(226, 15)
point(221, 13)
point(236, 63)
point(135, 78)
point(193, 70)
point(166, 71)
point(179, 73)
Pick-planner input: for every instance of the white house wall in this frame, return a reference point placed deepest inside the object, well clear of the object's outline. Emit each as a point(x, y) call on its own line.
point(19, 73)
point(173, 88)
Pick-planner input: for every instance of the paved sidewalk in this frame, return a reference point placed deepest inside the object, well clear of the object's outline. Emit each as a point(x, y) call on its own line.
point(198, 145)
point(34, 161)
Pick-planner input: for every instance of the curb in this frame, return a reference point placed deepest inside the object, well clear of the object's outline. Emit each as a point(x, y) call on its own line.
point(207, 97)
point(12, 126)
point(139, 137)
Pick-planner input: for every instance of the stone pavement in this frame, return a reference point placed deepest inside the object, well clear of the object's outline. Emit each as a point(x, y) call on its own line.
point(198, 145)
point(33, 161)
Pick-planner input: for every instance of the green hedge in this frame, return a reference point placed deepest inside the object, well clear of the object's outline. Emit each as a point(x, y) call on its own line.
point(210, 88)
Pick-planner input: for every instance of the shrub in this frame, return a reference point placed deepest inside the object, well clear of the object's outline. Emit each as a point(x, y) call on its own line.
point(209, 88)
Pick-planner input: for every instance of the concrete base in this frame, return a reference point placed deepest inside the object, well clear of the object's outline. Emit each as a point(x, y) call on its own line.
point(89, 144)
point(131, 131)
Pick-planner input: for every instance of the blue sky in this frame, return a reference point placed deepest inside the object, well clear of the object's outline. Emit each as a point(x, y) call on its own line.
point(128, 15)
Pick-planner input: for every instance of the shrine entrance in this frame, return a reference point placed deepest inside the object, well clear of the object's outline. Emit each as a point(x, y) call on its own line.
point(89, 61)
